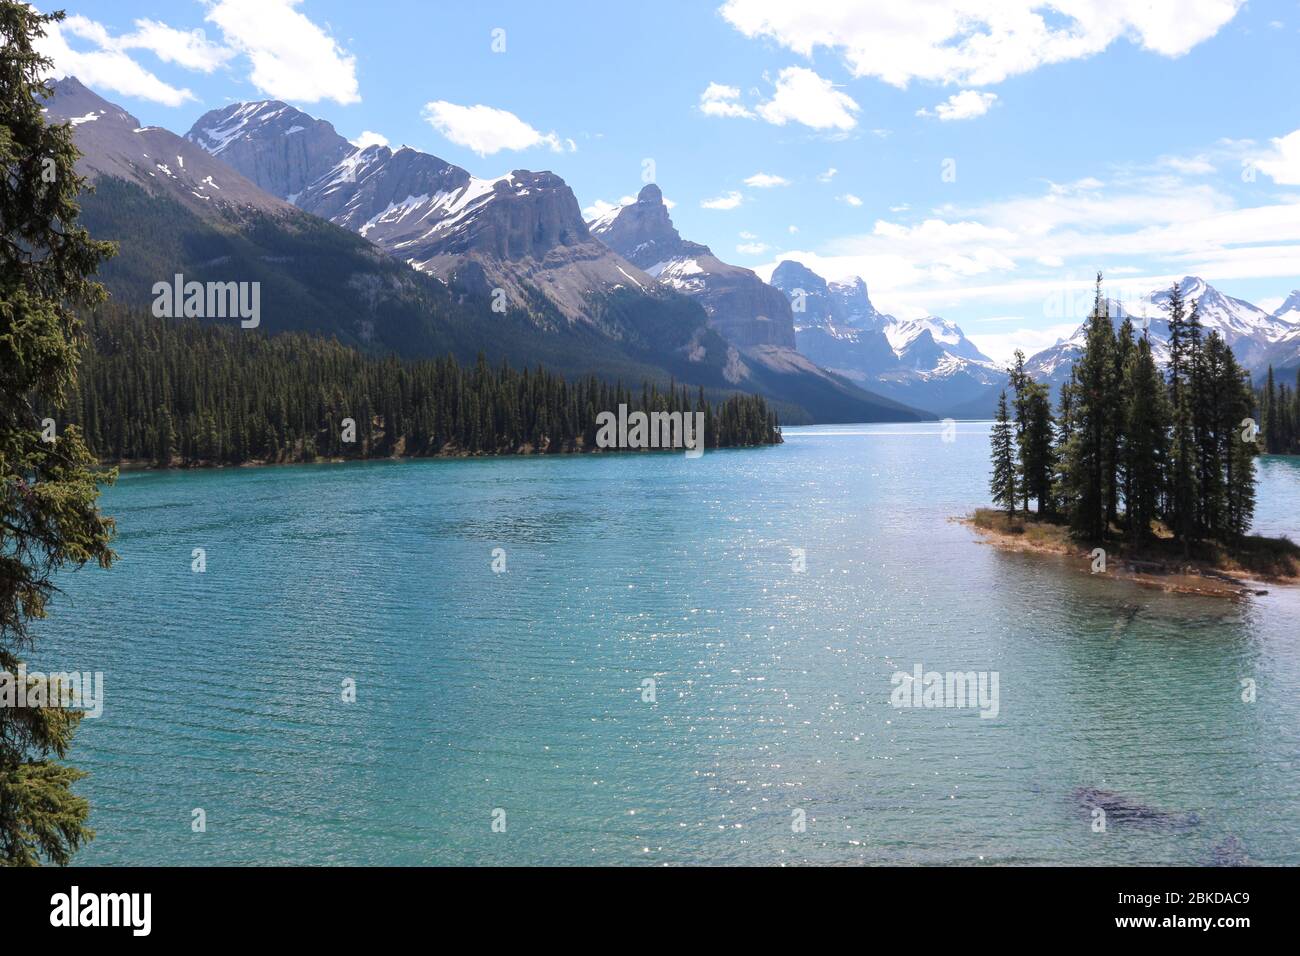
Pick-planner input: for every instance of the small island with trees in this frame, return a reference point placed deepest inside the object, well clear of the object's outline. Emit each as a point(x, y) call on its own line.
point(1154, 468)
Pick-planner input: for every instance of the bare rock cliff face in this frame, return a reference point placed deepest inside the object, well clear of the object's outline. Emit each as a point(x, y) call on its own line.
point(745, 309)
point(280, 148)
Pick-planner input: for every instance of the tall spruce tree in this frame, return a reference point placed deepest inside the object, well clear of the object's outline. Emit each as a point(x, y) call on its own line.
point(1037, 453)
point(1238, 448)
point(1019, 380)
point(49, 517)
point(1002, 486)
point(1088, 460)
point(1269, 412)
point(1143, 448)
point(1115, 478)
point(1219, 412)
point(1182, 488)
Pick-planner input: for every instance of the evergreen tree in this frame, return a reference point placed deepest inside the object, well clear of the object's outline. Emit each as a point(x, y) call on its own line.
point(1238, 448)
point(1019, 380)
point(48, 490)
point(237, 396)
point(1116, 481)
point(1003, 484)
point(1037, 453)
point(1143, 448)
point(1182, 487)
point(1269, 413)
point(1088, 459)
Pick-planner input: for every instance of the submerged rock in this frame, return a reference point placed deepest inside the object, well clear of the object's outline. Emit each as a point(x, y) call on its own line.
point(1229, 852)
point(1120, 809)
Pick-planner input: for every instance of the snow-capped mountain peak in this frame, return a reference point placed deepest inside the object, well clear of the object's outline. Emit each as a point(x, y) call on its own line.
point(220, 128)
point(1257, 338)
point(1234, 319)
point(745, 309)
point(927, 362)
point(1289, 311)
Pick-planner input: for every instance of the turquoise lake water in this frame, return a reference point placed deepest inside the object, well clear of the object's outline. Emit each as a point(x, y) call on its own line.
point(522, 691)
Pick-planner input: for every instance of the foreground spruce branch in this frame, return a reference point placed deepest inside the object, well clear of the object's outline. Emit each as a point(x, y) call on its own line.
point(48, 488)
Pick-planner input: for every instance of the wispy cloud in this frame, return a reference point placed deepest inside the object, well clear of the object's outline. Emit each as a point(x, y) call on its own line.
point(964, 105)
point(720, 100)
point(369, 138)
point(728, 201)
point(292, 57)
point(288, 55)
point(487, 130)
point(799, 96)
point(972, 43)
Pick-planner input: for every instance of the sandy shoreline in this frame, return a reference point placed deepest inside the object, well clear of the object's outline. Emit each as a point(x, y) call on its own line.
point(1183, 577)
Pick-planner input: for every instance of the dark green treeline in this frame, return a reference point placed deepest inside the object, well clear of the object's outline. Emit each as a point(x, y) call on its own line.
point(182, 394)
point(1279, 409)
point(1128, 445)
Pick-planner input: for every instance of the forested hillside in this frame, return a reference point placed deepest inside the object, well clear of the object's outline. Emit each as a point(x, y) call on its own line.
point(183, 394)
point(1279, 408)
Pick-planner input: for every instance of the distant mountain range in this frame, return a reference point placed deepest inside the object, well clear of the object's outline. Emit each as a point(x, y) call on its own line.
point(928, 363)
point(417, 258)
point(398, 250)
point(1258, 338)
point(521, 237)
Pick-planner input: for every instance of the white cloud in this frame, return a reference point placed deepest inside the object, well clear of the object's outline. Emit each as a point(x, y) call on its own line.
point(850, 199)
point(1027, 249)
point(964, 105)
point(1282, 165)
point(730, 201)
point(804, 97)
point(766, 181)
point(752, 248)
point(748, 235)
point(800, 96)
point(793, 229)
point(975, 42)
point(601, 208)
point(107, 67)
point(191, 50)
point(1187, 165)
point(828, 175)
point(720, 100)
point(485, 129)
point(369, 138)
point(1037, 252)
point(292, 58)
point(1001, 346)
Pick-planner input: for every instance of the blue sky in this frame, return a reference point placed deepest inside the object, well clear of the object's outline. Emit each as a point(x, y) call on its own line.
point(988, 157)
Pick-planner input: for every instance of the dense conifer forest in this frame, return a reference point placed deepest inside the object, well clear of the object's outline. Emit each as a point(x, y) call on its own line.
point(1131, 449)
point(180, 394)
point(1279, 409)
